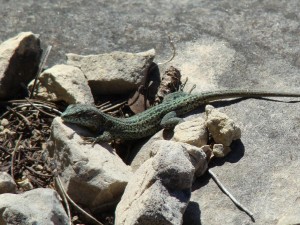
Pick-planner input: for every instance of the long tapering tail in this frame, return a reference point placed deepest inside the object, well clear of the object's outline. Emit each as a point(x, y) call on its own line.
point(224, 94)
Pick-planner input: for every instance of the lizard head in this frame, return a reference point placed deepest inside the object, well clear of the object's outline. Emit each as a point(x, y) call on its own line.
point(84, 115)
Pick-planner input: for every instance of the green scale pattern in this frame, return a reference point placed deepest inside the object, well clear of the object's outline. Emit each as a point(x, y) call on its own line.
point(152, 120)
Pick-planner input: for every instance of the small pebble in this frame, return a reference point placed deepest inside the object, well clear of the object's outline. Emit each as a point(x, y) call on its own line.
point(4, 122)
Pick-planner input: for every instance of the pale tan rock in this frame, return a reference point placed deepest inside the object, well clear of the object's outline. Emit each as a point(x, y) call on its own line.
point(93, 176)
point(19, 60)
point(115, 72)
point(222, 128)
point(219, 150)
point(199, 158)
point(161, 187)
point(63, 83)
point(192, 132)
point(4, 122)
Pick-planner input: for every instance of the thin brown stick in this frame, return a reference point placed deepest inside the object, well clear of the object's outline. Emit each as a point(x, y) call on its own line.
point(22, 101)
point(42, 111)
point(26, 105)
point(173, 49)
point(57, 179)
point(224, 189)
point(20, 116)
point(114, 107)
point(41, 65)
point(5, 150)
point(13, 157)
point(37, 173)
point(64, 193)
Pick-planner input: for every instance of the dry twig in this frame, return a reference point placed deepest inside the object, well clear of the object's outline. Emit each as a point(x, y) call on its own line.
point(94, 220)
point(42, 63)
point(236, 202)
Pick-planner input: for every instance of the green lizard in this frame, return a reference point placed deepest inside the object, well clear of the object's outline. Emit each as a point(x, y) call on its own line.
point(147, 123)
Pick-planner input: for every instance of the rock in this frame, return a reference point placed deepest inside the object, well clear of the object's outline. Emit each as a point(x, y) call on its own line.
point(223, 129)
point(19, 61)
point(160, 189)
point(113, 73)
point(7, 133)
point(192, 132)
point(94, 177)
point(143, 151)
point(7, 183)
point(38, 206)
point(63, 83)
point(220, 151)
point(292, 217)
point(25, 184)
point(200, 156)
point(4, 122)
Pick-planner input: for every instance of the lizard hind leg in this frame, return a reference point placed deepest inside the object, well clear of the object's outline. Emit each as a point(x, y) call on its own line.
point(170, 120)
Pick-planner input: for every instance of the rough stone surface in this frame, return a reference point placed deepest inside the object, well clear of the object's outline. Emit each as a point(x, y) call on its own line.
point(94, 177)
point(141, 153)
point(292, 217)
point(19, 60)
point(219, 150)
point(38, 206)
point(193, 132)
point(7, 183)
point(219, 45)
point(115, 72)
point(222, 129)
point(159, 191)
point(144, 151)
point(63, 83)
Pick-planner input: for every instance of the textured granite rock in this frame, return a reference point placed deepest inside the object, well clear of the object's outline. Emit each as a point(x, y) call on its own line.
point(94, 177)
point(39, 206)
point(160, 189)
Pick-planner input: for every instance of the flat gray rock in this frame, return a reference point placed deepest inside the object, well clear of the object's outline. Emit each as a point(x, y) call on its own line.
point(115, 72)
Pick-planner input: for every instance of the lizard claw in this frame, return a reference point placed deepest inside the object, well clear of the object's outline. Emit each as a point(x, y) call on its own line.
point(105, 137)
point(89, 140)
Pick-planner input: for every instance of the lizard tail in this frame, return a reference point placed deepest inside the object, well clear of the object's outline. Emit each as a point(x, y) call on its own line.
point(236, 93)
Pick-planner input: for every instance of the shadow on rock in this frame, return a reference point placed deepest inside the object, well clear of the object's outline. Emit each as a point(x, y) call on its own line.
point(234, 156)
point(237, 152)
point(192, 214)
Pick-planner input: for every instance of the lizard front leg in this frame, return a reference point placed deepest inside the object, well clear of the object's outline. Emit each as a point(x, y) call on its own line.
point(170, 120)
point(105, 137)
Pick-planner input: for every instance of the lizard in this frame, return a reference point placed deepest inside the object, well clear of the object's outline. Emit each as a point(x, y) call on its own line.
point(164, 115)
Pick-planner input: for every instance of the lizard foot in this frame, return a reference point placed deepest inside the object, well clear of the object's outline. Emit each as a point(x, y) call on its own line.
point(89, 140)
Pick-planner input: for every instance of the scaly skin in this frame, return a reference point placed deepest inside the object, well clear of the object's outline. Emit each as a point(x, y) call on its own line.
point(152, 120)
